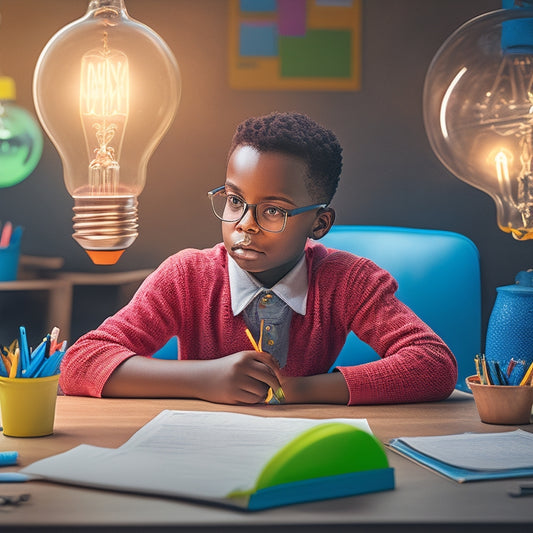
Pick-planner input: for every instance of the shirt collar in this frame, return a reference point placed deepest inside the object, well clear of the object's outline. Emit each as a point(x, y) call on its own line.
point(292, 288)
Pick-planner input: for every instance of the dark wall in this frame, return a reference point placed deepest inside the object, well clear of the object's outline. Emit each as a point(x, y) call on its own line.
point(390, 176)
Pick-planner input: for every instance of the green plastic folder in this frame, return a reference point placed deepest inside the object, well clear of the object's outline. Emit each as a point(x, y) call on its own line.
point(330, 460)
point(242, 461)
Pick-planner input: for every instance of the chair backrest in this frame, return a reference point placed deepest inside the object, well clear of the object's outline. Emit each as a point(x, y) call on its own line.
point(438, 274)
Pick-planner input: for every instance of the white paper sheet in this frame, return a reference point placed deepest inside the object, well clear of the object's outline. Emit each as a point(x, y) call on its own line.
point(181, 453)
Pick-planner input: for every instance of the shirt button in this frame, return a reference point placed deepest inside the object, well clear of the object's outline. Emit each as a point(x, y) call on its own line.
point(270, 342)
point(266, 299)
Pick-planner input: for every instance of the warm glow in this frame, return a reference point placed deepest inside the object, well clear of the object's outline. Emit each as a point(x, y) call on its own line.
point(502, 171)
point(104, 84)
point(104, 107)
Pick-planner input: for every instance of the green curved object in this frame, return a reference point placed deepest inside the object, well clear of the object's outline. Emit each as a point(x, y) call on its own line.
point(329, 449)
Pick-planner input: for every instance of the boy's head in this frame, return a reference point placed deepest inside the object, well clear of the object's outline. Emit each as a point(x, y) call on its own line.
point(282, 172)
point(296, 134)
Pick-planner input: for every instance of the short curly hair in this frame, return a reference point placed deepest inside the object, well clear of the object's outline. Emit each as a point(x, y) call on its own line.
point(296, 134)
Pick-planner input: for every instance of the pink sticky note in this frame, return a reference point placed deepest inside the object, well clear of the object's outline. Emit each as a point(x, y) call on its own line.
point(292, 17)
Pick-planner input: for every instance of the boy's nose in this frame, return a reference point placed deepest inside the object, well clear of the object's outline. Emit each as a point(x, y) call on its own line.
point(248, 220)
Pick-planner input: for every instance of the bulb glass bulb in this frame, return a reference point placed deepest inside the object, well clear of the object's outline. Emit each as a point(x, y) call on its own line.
point(106, 89)
point(21, 140)
point(478, 111)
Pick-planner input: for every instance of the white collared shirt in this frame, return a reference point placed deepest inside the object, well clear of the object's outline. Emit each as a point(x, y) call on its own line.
point(292, 288)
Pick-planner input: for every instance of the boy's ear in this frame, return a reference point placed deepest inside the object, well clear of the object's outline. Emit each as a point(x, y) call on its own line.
point(323, 222)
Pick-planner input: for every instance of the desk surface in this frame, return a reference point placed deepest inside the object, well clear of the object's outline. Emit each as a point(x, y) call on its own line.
point(422, 500)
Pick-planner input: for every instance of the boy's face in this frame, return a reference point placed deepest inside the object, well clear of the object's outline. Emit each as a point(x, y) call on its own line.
point(279, 179)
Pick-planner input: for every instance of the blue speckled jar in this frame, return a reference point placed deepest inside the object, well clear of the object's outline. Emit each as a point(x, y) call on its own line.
point(510, 328)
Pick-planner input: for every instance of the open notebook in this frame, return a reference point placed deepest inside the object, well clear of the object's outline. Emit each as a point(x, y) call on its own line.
point(243, 461)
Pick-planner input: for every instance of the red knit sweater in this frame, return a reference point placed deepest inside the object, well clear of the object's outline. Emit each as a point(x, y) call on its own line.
point(189, 296)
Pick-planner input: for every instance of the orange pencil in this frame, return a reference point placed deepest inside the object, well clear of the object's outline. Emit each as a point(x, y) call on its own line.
point(14, 363)
point(6, 361)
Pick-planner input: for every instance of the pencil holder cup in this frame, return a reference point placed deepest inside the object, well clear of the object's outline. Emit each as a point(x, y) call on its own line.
point(9, 262)
point(28, 406)
point(502, 404)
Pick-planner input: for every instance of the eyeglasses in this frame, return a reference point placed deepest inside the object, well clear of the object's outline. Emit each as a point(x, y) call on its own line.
point(269, 217)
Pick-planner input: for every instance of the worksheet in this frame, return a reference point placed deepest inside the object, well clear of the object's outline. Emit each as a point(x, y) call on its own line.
point(205, 455)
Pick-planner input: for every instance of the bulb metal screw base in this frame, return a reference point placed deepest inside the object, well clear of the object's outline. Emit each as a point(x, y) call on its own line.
point(105, 225)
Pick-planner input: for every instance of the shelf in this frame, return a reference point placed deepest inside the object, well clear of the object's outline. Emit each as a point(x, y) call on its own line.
point(43, 274)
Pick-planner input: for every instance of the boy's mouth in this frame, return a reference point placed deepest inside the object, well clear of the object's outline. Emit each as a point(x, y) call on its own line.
point(242, 248)
point(246, 254)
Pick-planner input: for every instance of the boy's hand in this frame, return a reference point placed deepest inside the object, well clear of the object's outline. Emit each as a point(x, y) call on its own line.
point(240, 378)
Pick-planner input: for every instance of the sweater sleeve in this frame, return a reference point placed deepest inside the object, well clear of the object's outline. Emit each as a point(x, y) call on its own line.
point(415, 364)
point(90, 361)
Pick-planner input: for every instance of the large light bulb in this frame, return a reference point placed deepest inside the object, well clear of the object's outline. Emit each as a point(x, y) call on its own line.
point(106, 89)
point(478, 110)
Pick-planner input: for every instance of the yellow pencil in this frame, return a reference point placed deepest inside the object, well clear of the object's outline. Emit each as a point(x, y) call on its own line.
point(252, 340)
point(486, 373)
point(260, 343)
point(278, 394)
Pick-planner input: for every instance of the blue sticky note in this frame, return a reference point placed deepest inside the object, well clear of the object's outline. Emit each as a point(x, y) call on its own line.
point(258, 39)
point(254, 6)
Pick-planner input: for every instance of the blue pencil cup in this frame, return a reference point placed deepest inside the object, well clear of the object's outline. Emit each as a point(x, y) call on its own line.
point(9, 262)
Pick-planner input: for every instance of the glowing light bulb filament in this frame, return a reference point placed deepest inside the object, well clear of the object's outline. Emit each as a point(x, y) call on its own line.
point(502, 171)
point(104, 107)
point(525, 182)
point(523, 200)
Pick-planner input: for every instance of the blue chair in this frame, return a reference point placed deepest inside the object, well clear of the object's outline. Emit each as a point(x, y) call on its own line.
point(438, 274)
point(169, 350)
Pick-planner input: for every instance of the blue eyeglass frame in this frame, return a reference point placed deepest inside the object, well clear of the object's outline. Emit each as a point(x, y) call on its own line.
point(288, 212)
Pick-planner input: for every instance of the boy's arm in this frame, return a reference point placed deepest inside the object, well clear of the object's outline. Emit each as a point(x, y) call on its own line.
point(240, 378)
point(415, 365)
point(321, 388)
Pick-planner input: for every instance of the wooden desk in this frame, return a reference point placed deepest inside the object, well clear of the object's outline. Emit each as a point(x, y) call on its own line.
point(421, 502)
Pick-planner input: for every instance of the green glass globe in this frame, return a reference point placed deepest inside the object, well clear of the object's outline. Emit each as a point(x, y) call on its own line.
point(21, 140)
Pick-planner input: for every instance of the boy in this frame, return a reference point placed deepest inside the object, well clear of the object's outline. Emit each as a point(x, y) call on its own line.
point(271, 277)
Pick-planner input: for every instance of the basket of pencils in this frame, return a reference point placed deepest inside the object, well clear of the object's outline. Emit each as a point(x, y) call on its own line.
point(502, 396)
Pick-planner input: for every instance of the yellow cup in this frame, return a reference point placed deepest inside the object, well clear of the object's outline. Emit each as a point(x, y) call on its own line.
point(28, 405)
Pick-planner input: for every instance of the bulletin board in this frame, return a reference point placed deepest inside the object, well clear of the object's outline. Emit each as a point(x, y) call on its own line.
point(295, 45)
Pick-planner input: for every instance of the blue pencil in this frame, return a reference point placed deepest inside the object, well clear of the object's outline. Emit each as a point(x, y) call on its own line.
point(24, 351)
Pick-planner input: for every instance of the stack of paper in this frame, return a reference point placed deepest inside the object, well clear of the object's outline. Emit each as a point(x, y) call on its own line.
point(472, 456)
